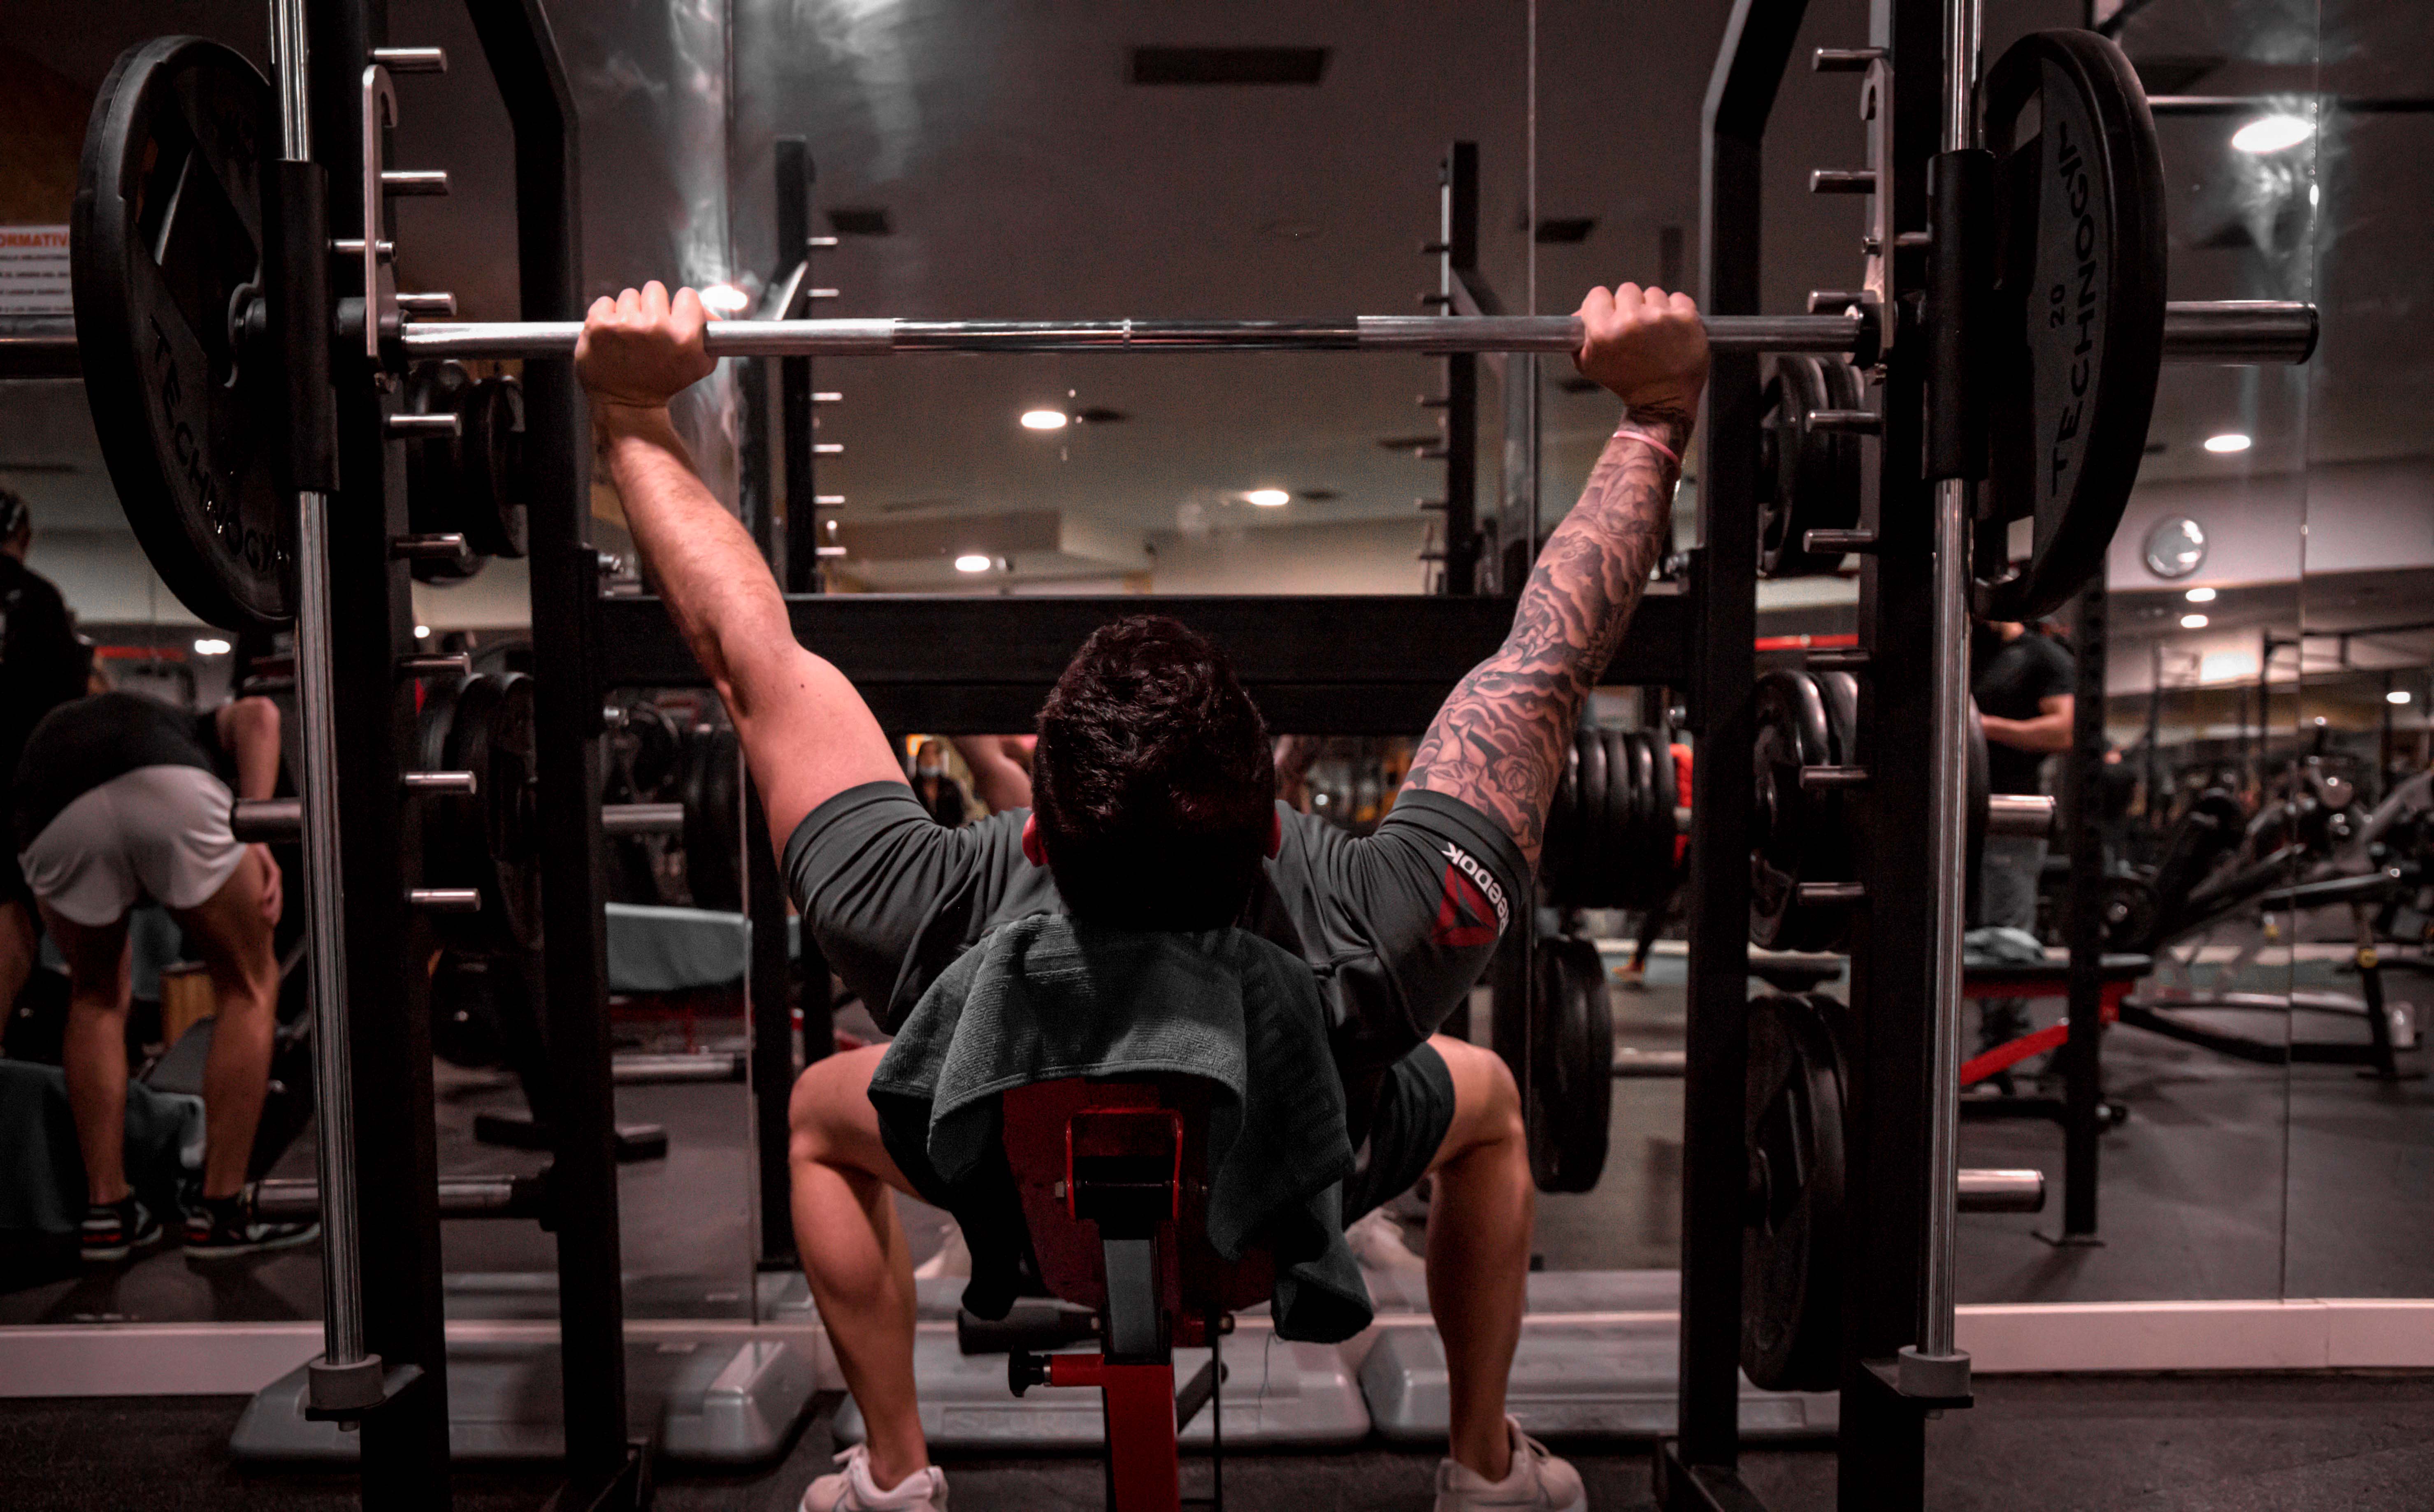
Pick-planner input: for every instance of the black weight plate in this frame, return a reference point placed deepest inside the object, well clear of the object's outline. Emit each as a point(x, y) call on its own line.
point(514, 835)
point(1589, 863)
point(1622, 807)
point(657, 748)
point(1570, 1101)
point(495, 848)
point(2079, 260)
point(1816, 475)
point(2131, 914)
point(1840, 692)
point(434, 469)
point(1601, 805)
point(1791, 1225)
point(1646, 875)
point(165, 246)
point(455, 829)
point(497, 487)
point(1795, 837)
point(714, 834)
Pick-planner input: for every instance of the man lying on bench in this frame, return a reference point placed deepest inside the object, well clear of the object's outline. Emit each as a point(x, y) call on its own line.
point(1155, 812)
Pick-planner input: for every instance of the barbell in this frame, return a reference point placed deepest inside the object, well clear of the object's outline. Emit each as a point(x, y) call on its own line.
point(2196, 332)
point(171, 252)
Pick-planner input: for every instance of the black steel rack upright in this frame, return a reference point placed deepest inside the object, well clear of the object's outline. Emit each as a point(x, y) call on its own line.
point(384, 1261)
point(1892, 1198)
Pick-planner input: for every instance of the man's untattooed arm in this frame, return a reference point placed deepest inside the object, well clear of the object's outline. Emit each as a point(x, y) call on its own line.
point(1498, 742)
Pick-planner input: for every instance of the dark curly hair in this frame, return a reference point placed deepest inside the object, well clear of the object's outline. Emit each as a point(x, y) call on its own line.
point(1153, 784)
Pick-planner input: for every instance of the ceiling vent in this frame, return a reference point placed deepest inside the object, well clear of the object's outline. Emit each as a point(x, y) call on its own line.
point(861, 220)
point(1100, 415)
point(1228, 65)
point(1319, 495)
point(1566, 231)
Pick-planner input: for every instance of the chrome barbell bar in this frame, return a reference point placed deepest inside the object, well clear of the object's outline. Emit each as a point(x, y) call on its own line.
point(2213, 331)
point(2219, 331)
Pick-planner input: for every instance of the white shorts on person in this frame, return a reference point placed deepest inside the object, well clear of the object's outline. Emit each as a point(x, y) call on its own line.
point(160, 832)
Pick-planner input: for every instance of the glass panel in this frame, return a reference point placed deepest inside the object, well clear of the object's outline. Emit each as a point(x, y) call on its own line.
point(2358, 1167)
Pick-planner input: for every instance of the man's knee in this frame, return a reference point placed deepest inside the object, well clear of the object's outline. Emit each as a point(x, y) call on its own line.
point(831, 1106)
point(1487, 1101)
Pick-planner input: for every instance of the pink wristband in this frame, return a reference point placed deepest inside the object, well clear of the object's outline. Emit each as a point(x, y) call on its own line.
point(1653, 444)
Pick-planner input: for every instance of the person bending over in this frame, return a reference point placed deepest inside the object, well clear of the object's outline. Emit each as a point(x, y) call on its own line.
point(1156, 809)
point(44, 663)
point(118, 797)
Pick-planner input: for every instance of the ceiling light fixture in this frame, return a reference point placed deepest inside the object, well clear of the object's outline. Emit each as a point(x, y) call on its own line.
point(421, 632)
point(1268, 498)
point(2193, 621)
point(2398, 695)
point(2272, 133)
point(1043, 420)
point(2228, 442)
point(725, 300)
point(2201, 595)
point(971, 562)
point(210, 647)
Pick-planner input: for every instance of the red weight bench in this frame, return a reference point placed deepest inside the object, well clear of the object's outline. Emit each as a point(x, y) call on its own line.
point(1113, 1177)
point(2120, 975)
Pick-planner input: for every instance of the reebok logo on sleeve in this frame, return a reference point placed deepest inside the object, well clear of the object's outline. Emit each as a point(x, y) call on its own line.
point(1472, 895)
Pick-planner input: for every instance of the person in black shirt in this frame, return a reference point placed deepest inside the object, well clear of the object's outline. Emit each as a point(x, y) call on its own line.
point(42, 665)
point(2023, 684)
point(118, 798)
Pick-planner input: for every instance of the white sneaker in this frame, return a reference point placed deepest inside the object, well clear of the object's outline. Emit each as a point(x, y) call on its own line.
point(852, 1490)
point(1377, 1241)
point(1538, 1480)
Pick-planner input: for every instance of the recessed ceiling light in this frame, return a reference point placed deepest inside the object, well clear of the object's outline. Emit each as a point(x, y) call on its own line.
point(1268, 498)
point(971, 562)
point(2398, 695)
point(2193, 621)
point(1043, 420)
point(2201, 595)
point(421, 632)
point(2227, 442)
point(210, 647)
point(724, 299)
point(2272, 133)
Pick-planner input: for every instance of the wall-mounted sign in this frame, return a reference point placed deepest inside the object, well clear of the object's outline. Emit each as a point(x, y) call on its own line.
point(33, 270)
point(2176, 547)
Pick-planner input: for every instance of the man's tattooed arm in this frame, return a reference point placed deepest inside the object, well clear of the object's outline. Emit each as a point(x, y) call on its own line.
point(1498, 742)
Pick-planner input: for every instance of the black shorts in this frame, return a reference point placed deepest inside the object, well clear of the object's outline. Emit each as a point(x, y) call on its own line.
point(1414, 1112)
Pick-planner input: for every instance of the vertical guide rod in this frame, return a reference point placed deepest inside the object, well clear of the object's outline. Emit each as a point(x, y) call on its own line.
point(1950, 708)
point(342, 1301)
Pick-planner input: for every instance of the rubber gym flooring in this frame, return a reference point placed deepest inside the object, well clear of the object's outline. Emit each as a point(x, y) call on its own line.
point(2200, 1443)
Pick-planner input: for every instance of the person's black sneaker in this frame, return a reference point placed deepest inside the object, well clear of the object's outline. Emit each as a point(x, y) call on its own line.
point(111, 1231)
point(218, 1226)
